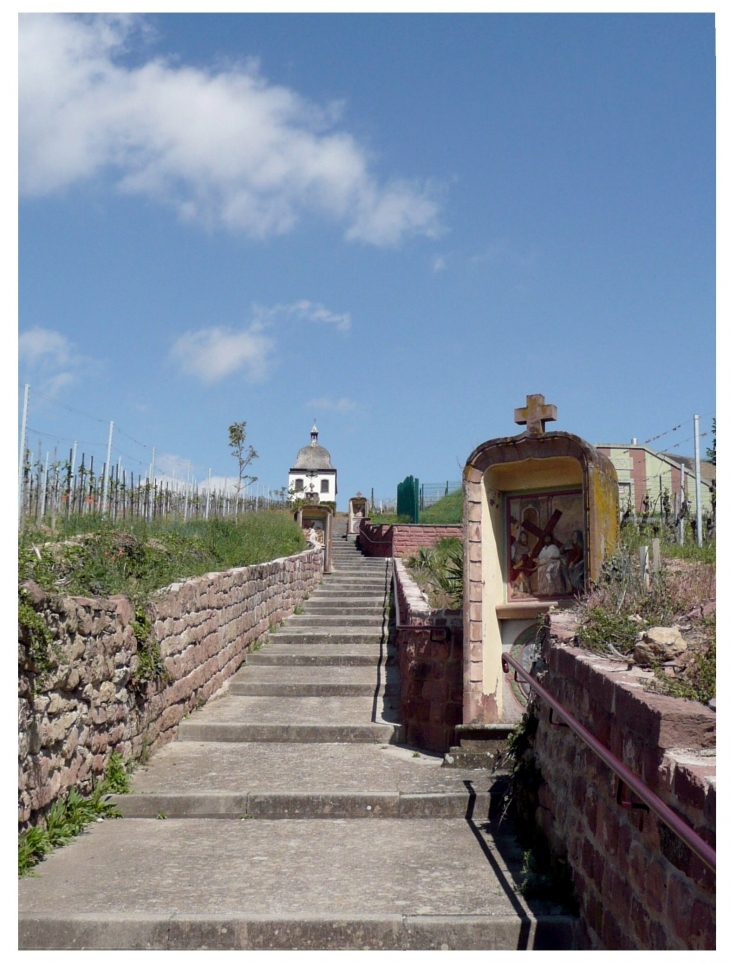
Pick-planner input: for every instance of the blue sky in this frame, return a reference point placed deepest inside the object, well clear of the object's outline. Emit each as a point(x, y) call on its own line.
point(398, 225)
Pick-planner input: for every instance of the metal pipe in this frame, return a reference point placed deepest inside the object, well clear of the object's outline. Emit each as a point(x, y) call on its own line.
point(688, 836)
point(395, 592)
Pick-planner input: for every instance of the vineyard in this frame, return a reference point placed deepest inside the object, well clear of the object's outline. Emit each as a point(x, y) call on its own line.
point(60, 491)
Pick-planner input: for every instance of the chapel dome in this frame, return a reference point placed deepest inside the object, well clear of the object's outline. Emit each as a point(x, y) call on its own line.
point(313, 458)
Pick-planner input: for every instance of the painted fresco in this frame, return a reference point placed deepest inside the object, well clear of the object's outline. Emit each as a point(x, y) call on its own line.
point(546, 545)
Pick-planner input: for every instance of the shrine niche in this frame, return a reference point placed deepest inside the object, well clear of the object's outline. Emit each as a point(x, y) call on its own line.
point(316, 521)
point(357, 510)
point(541, 513)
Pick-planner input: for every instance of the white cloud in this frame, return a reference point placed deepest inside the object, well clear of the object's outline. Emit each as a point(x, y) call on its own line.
point(212, 354)
point(305, 311)
point(439, 264)
point(49, 357)
point(343, 405)
point(39, 346)
point(224, 147)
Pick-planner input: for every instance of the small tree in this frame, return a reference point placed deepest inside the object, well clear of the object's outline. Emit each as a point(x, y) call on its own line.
point(712, 450)
point(243, 455)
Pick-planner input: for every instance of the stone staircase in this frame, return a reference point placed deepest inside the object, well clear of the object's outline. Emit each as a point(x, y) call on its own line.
point(287, 815)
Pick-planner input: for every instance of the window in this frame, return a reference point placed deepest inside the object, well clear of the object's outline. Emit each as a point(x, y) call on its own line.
point(299, 485)
point(325, 486)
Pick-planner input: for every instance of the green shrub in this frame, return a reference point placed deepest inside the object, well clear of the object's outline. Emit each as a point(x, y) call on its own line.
point(67, 817)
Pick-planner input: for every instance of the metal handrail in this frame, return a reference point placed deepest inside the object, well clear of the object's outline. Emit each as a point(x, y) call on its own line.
point(375, 541)
point(688, 836)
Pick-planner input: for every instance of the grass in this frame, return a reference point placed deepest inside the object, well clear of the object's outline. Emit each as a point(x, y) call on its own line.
point(446, 511)
point(98, 558)
point(67, 817)
point(390, 520)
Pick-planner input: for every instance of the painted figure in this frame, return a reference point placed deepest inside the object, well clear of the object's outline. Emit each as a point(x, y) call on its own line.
point(549, 569)
point(522, 565)
point(574, 562)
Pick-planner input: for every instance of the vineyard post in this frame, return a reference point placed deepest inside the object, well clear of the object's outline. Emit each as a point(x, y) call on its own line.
point(44, 490)
point(698, 480)
point(207, 497)
point(107, 469)
point(21, 460)
point(187, 486)
point(681, 506)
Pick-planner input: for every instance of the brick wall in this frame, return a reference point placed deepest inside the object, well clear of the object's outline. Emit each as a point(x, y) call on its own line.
point(89, 704)
point(429, 645)
point(639, 886)
point(383, 541)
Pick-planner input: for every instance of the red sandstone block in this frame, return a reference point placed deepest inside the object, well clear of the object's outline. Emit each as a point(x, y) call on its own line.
point(659, 937)
point(651, 760)
point(437, 651)
point(637, 863)
point(612, 933)
point(561, 661)
point(436, 716)
point(578, 792)
point(435, 690)
point(680, 897)
point(641, 924)
point(423, 711)
point(453, 714)
point(588, 858)
point(601, 689)
point(593, 911)
point(663, 721)
point(620, 894)
point(590, 810)
point(702, 930)
point(656, 886)
point(625, 836)
point(611, 828)
point(453, 672)
point(690, 784)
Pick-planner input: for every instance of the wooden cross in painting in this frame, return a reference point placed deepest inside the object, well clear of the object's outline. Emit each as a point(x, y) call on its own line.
point(535, 414)
point(540, 533)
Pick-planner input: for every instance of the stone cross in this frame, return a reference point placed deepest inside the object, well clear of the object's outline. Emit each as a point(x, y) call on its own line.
point(535, 414)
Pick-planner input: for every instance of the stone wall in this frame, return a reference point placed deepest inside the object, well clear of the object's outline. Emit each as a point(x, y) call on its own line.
point(384, 541)
point(90, 703)
point(429, 645)
point(639, 886)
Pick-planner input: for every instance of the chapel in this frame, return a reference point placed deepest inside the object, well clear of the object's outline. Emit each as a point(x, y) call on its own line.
point(313, 474)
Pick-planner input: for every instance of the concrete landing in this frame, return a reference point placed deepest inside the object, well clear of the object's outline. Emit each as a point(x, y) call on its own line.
point(303, 884)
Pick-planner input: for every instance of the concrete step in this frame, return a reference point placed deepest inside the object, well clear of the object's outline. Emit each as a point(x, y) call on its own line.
point(166, 884)
point(290, 719)
point(348, 634)
point(350, 590)
point(327, 620)
point(315, 681)
point(310, 781)
point(357, 653)
point(360, 564)
point(304, 805)
point(352, 606)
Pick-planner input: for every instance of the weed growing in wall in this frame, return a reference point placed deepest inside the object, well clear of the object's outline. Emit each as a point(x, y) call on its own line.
point(544, 875)
point(67, 817)
point(150, 664)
